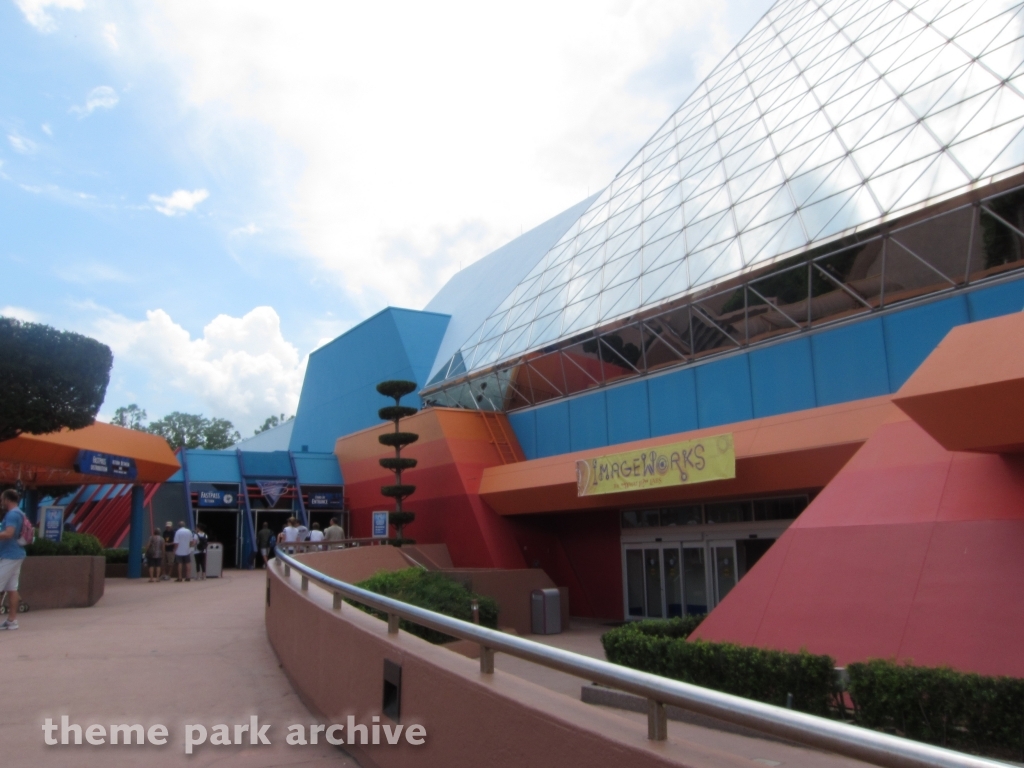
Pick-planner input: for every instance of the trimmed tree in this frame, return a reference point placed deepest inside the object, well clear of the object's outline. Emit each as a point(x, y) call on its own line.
point(398, 491)
point(49, 379)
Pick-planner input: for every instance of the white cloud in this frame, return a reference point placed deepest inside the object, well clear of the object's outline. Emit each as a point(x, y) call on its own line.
point(21, 144)
point(92, 272)
point(20, 313)
point(241, 368)
point(248, 229)
point(36, 13)
point(100, 97)
point(386, 130)
point(179, 201)
point(47, 129)
point(110, 37)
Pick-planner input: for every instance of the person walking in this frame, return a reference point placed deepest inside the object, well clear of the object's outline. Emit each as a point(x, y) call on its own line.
point(316, 535)
point(12, 554)
point(264, 539)
point(155, 555)
point(202, 541)
point(183, 550)
point(168, 535)
point(334, 531)
point(289, 535)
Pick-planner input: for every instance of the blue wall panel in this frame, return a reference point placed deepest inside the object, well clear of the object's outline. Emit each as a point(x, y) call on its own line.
point(339, 393)
point(553, 429)
point(628, 413)
point(673, 401)
point(849, 363)
point(588, 422)
point(524, 424)
point(911, 335)
point(997, 300)
point(782, 378)
point(723, 392)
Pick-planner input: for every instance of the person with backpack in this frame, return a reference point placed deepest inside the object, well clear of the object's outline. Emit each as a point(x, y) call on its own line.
point(202, 541)
point(155, 555)
point(15, 532)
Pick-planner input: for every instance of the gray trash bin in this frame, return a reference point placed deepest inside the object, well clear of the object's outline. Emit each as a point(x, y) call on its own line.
point(214, 560)
point(546, 612)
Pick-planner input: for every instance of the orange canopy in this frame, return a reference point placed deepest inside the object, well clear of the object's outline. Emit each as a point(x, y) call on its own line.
point(50, 459)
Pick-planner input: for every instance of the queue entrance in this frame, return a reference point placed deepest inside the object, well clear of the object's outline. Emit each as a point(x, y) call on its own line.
point(224, 526)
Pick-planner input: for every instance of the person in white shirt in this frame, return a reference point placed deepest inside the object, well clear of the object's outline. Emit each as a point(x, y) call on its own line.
point(289, 535)
point(316, 534)
point(183, 539)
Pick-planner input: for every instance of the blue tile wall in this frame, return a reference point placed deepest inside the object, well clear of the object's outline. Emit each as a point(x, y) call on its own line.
point(911, 335)
point(673, 402)
point(850, 363)
point(997, 300)
point(588, 422)
point(524, 424)
point(628, 413)
point(782, 378)
point(723, 392)
point(553, 429)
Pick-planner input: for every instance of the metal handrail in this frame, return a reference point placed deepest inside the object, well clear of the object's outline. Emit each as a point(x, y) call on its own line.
point(325, 545)
point(843, 739)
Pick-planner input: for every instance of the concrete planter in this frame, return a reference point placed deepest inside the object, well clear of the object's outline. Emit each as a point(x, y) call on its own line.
point(61, 581)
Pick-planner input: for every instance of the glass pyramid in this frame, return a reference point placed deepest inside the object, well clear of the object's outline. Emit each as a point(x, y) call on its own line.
point(827, 119)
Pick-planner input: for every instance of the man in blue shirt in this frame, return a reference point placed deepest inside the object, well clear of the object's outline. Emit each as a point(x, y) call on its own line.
point(12, 554)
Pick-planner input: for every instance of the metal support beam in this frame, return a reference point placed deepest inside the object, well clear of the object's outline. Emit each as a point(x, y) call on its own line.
point(136, 532)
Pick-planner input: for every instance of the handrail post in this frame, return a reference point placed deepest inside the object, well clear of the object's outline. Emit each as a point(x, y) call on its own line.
point(393, 623)
point(657, 721)
point(337, 601)
point(486, 660)
point(305, 583)
point(287, 570)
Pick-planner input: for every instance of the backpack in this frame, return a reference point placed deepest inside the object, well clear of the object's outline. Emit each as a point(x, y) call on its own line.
point(202, 541)
point(28, 531)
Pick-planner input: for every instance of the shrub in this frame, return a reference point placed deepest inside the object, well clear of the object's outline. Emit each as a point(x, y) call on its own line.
point(940, 705)
point(70, 544)
point(681, 626)
point(116, 555)
point(754, 673)
point(431, 590)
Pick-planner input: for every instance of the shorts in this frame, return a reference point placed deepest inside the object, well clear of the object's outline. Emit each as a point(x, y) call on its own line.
point(182, 558)
point(154, 562)
point(10, 570)
point(265, 552)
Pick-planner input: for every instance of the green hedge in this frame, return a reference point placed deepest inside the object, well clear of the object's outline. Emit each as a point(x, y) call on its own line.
point(431, 590)
point(70, 544)
point(941, 706)
point(115, 555)
point(754, 673)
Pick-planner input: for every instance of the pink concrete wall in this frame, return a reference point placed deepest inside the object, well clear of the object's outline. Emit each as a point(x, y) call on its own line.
point(335, 661)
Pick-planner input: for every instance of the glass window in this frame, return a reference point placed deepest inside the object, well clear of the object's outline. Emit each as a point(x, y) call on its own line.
point(691, 515)
point(640, 518)
point(652, 576)
point(779, 509)
point(635, 582)
point(695, 589)
point(673, 586)
point(729, 512)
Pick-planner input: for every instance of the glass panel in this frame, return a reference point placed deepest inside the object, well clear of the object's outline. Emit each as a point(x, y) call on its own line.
point(673, 584)
point(640, 518)
point(695, 589)
point(635, 582)
point(652, 578)
point(779, 509)
point(691, 515)
point(725, 571)
point(729, 512)
point(748, 552)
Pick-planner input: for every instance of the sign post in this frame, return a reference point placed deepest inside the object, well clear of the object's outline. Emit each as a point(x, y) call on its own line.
point(380, 525)
point(53, 523)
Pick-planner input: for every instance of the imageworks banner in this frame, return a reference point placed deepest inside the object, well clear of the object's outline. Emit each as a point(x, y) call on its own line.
point(693, 461)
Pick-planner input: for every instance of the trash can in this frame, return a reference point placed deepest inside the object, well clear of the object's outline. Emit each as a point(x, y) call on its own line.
point(214, 560)
point(546, 612)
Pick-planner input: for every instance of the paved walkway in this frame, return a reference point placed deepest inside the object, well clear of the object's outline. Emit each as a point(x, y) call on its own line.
point(151, 653)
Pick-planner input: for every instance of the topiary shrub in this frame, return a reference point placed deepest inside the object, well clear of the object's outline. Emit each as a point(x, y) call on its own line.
point(398, 490)
point(434, 591)
point(70, 544)
point(754, 673)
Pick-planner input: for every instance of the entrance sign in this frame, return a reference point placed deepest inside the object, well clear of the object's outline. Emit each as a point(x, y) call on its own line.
point(218, 499)
point(325, 499)
point(380, 525)
point(105, 464)
point(53, 523)
point(693, 461)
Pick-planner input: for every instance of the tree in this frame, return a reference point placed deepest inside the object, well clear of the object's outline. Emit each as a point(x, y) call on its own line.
point(130, 417)
point(397, 389)
point(273, 421)
point(49, 379)
point(189, 430)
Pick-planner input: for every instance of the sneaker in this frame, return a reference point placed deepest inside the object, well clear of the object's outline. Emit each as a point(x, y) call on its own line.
point(9, 625)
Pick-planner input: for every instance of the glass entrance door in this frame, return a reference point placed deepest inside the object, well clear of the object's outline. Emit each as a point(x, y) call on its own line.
point(723, 567)
point(661, 581)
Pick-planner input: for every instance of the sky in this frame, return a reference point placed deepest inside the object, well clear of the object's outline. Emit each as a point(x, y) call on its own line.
point(216, 189)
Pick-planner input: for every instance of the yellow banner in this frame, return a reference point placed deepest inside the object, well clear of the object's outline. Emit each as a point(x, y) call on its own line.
point(693, 461)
